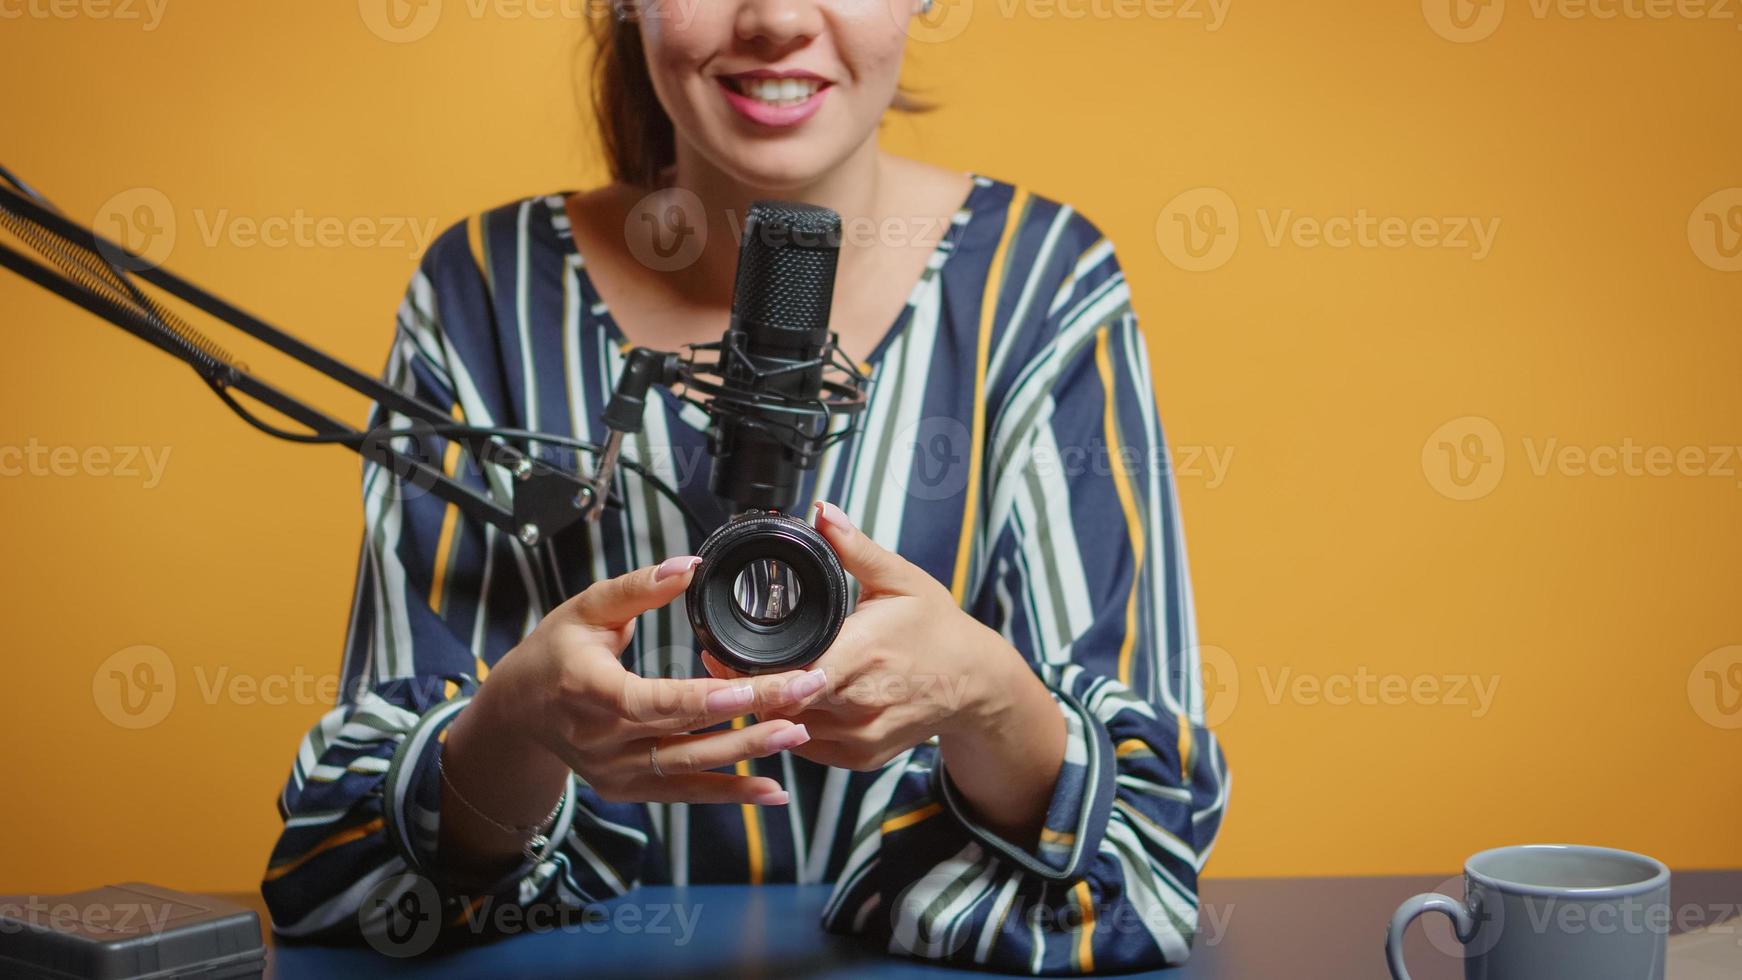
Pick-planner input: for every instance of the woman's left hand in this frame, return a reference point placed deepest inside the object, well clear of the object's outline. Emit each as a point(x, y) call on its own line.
point(910, 663)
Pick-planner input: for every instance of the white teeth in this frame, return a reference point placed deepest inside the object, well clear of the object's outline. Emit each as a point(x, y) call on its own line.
point(779, 91)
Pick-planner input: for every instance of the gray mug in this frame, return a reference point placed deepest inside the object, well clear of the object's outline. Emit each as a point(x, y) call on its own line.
point(1552, 911)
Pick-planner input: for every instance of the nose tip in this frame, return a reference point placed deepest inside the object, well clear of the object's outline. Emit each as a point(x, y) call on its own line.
point(778, 22)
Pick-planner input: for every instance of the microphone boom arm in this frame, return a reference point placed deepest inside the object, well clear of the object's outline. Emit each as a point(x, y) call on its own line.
point(95, 276)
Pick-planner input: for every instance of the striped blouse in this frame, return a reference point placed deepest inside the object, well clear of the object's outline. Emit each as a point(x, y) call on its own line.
point(1010, 447)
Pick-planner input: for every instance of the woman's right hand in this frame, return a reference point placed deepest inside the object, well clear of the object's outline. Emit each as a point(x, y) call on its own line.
point(561, 700)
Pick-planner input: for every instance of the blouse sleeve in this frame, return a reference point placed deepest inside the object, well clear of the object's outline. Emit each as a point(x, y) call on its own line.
point(437, 598)
point(1084, 572)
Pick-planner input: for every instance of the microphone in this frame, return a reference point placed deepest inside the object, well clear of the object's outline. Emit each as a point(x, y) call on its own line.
point(770, 593)
point(772, 356)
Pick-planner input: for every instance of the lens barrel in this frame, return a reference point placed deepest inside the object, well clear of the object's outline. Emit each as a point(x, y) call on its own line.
point(750, 644)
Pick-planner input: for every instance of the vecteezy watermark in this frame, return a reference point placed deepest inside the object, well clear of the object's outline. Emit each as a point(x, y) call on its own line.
point(137, 687)
point(1468, 21)
point(668, 229)
point(405, 21)
point(1362, 687)
point(945, 20)
point(145, 223)
point(1371, 689)
point(1715, 230)
point(1465, 458)
point(1715, 688)
point(930, 459)
point(403, 916)
point(135, 919)
point(1200, 230)
point(146, 14)
point(922, 921)
point(35, 459)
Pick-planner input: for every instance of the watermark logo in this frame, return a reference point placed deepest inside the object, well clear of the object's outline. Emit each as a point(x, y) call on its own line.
point(407, 461)
point(401, 916)
point(142, 222)
point(942, 20)
point(930, 458)
point(1715, 688)
point(1464, 21)
point(1464, 458)
point(38, 459)
point(667, 230)
point(134, 688)
point(1199, 229)
point(1715, 230)
point(148, 14)
point(400, 21)
point(1220, 678)
point(1489, 917)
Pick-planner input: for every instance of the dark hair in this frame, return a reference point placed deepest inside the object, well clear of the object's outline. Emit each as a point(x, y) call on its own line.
point(634, 130)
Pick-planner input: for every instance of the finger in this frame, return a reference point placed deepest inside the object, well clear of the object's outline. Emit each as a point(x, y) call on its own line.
point(615, 602)
point(682, 755)
point(879, 570)
point(669, 704)
point(709, 787)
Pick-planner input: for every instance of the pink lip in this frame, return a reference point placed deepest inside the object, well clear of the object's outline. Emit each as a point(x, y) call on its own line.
point(767, 115)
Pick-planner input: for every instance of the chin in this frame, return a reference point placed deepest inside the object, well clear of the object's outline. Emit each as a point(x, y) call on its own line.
point(775, 170)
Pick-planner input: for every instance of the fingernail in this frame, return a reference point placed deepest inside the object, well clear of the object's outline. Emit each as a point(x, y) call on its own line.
point(675, 566)
point(832, 514)
point(770, 797)
point(790, 738)
point(806, 684)
point(729, 698)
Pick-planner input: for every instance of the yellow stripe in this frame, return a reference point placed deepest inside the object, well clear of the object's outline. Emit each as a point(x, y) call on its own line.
point(988, 312)
point(1129, 746)
point(1185, 747)
point(1051, 836)
point(339, 839)
point(450, 517)
point(475, 239)
point(1127, 501)
point(912, 817)
point(1085, 939)
point(752, 819)
point(468, 911)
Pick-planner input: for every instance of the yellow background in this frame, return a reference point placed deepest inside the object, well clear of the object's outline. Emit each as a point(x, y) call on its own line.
point(1326, 550)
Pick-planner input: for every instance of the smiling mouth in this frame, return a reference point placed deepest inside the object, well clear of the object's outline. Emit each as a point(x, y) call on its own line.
point(775, 91)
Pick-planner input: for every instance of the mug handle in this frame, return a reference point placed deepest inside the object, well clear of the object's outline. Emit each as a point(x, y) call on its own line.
point(1462, 921)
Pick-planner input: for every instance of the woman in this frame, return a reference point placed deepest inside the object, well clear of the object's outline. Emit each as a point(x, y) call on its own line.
point(1001, 760)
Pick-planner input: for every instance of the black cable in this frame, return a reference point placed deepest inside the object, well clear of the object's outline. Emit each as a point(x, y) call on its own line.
point(108, 274)
point(353, 440)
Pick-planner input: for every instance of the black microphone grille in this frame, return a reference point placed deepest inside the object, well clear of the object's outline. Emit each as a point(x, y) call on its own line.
point(786, 265)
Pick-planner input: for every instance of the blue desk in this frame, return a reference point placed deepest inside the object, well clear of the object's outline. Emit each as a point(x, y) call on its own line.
point(1305, 928)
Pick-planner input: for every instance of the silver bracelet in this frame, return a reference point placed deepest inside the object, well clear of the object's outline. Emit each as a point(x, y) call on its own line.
point(536, 842)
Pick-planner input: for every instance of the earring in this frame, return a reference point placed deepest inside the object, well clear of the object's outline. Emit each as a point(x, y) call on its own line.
point(925, 6)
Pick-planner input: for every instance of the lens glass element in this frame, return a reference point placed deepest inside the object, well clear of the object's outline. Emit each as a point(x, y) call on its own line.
point(767, 591)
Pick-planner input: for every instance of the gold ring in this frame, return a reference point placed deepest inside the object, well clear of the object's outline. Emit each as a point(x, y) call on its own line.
point(653, 757)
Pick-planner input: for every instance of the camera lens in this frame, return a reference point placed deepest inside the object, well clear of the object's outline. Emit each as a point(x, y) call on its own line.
point(770, 594)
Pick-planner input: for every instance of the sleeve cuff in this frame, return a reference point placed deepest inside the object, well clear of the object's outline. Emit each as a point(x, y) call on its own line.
point(1076, 816)
point(411, 804)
